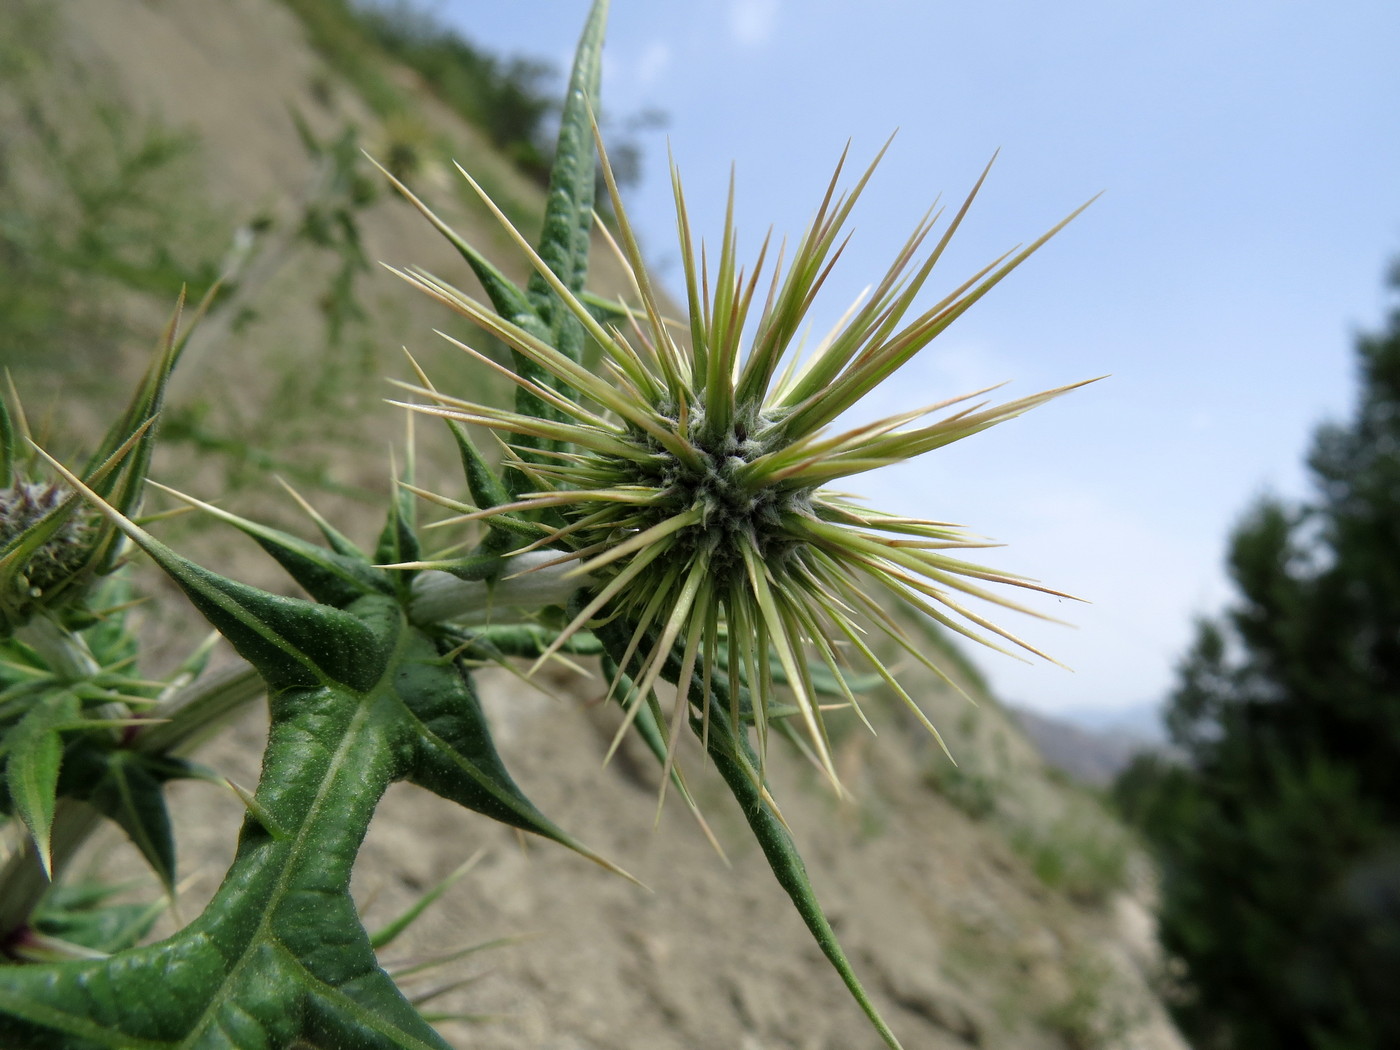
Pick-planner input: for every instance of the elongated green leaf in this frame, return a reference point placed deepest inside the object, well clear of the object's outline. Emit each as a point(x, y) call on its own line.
point(9, 446)
point(739, 771)
point(568, 222)
point(568, 218)
point(34, 752)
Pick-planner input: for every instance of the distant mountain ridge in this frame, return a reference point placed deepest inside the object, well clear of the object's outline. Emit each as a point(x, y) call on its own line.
point(1093, 756)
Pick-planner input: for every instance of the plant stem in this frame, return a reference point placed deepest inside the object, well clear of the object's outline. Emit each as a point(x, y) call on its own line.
point(533, 581)
point(192, 713)
point(64, 652)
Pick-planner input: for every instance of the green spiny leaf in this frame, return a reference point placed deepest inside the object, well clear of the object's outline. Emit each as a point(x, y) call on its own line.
point(329, 576)
point(398, 542)
point(128, 788)
point(454, 755)
point(568, 220)
point(279, 956)
point(124, 489)
point(291, 642)
point(35, 752)
point(486, 488)
point(526, 641)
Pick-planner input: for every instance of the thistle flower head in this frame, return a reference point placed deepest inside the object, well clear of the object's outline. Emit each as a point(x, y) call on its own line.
point(687, 475)
point(48, 541)
point(52, 546)
point(63, 554)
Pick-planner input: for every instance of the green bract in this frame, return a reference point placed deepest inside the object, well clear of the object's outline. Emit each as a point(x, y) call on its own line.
point(687, 482)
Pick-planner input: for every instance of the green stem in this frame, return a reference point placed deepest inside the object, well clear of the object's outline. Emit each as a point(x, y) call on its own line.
point(729, 749)
point(185, 720)
point(63, 652)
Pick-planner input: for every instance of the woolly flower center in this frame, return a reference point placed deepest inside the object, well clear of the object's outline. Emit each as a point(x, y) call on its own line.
point(735, 513)
point(25, 504)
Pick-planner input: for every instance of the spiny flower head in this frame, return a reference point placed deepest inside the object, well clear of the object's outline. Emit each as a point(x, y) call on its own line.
point(687, 476)
point(23, 506)
point(52, 547)
point(48, 544)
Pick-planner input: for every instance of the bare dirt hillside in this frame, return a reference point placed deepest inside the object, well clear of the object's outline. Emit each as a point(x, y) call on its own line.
point(987, 904)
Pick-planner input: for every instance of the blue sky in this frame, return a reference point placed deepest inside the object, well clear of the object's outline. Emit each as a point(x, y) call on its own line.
point(1250, 162)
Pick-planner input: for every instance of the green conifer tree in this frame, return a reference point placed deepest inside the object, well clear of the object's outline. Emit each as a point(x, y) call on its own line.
point(1279, 834)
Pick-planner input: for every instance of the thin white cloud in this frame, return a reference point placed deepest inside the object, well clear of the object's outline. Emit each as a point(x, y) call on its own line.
point(752, 23)
point(653, 62)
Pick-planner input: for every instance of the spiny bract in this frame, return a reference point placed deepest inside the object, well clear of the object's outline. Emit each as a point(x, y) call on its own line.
point(688, 480)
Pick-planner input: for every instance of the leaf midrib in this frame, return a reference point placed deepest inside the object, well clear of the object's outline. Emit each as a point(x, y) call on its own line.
point(352, 741)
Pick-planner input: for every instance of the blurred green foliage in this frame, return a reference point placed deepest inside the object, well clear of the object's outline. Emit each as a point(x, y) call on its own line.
point(510, 100)
point(1081, 853)
point(513, 100)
